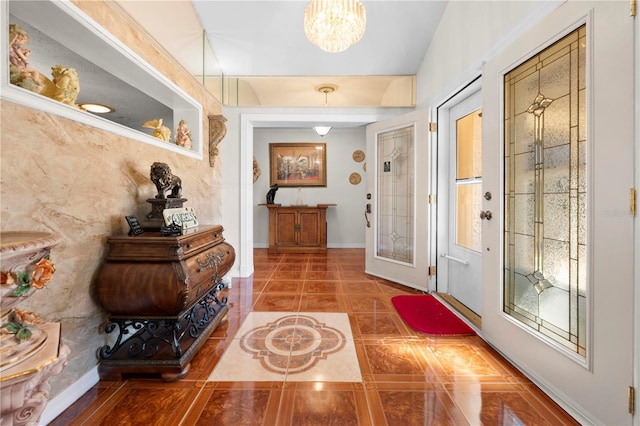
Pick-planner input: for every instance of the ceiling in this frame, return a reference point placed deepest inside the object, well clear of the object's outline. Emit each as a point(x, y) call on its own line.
point(263, 43)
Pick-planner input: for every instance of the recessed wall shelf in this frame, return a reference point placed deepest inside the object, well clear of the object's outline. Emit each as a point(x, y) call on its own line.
point(108, 70)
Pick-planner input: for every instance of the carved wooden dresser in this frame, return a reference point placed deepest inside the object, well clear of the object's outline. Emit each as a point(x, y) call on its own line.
point(162, 294)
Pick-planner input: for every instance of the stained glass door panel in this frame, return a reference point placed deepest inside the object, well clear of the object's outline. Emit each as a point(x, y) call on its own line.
point(545, 244)
point(395, 233)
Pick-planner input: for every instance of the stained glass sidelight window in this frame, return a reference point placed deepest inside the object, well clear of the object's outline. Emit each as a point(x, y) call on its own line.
point(545, 243)
point(395, 239)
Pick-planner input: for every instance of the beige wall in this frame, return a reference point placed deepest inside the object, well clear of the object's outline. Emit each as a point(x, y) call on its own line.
point(79, 182)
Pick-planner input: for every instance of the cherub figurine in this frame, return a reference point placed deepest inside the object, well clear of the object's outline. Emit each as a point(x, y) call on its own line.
point(161, 132)
point(21, 73)
point(183, 135)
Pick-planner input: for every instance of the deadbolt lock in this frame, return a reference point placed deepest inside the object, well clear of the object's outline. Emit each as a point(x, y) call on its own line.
point(487, 195)
point(486, 215)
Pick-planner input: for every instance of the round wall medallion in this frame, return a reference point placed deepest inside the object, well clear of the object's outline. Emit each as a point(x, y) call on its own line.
point(364, 167)
point(355, 178)
point(358, 156)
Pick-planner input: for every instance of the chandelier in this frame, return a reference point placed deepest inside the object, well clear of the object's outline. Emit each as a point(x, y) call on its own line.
point(334, 25)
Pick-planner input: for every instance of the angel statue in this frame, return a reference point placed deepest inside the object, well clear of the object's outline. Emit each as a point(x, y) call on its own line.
point(183, 135)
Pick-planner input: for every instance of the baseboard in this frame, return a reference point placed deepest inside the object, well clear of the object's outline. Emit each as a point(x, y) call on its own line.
point(329, 245)
point(345, 245)
point(67, 397)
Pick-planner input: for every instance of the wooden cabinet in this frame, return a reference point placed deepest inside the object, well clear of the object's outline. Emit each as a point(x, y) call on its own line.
point(162, 294)
point(297, 229)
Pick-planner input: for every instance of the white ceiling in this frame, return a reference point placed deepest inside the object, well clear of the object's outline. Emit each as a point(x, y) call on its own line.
point(266, 39)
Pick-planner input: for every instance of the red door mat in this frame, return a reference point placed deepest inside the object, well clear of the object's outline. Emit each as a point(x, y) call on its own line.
point(426, 314)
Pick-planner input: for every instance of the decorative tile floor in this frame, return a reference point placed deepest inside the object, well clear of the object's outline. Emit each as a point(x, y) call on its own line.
point(290, 347)
point(292, 317)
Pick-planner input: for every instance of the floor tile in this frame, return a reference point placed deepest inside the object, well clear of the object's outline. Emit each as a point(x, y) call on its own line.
point(367, 303)
point(377, 325)
point(322, 303)
point(284, 286)
point(393, 361)
point(145, 402)
point(323, 404)
point(330, 287)
point(278, 303)
point(412, 404)
point(500, 404)
point(240, 403)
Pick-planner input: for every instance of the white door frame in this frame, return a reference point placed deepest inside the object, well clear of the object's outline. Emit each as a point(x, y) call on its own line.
point(440, 139)
point(636, 347)
point(248, 122)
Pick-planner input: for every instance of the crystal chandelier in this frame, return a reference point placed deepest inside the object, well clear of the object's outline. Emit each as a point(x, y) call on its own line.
point(334, 25)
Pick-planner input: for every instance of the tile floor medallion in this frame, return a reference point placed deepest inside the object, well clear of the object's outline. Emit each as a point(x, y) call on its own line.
point(292, 347)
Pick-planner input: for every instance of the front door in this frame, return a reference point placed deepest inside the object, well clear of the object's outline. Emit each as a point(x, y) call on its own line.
point(558, 254)
point(460, 197)
point(397, 207)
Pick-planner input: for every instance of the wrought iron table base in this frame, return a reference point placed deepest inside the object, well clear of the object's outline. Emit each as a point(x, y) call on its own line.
point(162, 345)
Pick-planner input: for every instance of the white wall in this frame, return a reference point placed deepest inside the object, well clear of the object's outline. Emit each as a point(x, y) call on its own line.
point(469, 33)
point(345, 223)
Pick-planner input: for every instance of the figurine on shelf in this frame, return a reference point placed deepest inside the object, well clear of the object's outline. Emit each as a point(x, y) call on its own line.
point(64, 87)
point(271, 195)
point(183, 135)
point(21, 73)
point(159, 131)
point(165, 181)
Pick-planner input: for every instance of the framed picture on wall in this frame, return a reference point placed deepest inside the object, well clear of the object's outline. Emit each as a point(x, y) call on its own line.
point(298, 164)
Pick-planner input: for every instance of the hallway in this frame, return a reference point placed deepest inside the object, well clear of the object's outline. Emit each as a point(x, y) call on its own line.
point(404, 378)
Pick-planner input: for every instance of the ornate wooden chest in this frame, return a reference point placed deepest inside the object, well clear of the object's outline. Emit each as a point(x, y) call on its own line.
point(163, 297)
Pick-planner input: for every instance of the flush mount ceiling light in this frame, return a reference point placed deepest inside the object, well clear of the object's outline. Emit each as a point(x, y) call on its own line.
point(322, 130)
point(96, 108)
point(334, 25)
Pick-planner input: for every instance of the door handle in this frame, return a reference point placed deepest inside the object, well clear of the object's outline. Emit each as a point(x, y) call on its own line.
point(486, 215)
point(367, 211)
point(455, 259)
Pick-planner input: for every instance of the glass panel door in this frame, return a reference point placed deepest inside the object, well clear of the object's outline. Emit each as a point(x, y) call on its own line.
point(468, 181)
point(396, 209)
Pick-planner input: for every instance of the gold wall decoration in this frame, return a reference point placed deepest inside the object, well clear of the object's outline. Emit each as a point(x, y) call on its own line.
point(358, 155)
point(256, 170)
point(217, 131)
point(355, 178)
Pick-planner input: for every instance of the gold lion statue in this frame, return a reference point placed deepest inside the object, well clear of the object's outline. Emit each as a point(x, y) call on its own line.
point(64, 87)
point(165, 181)
point(159, 131)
